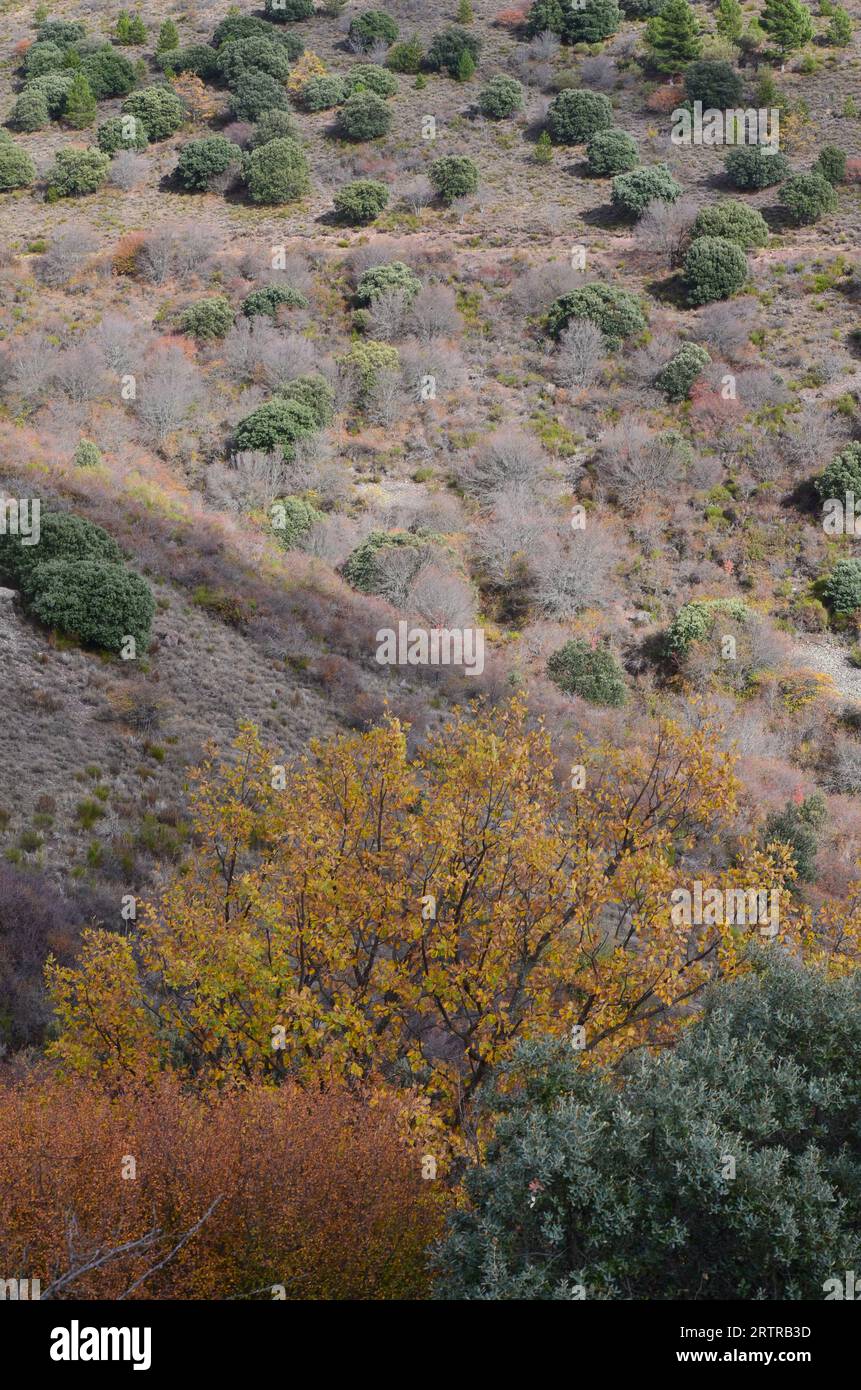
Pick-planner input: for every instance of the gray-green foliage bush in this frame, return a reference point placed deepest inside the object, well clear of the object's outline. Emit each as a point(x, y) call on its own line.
point(278, 425)
point(592, 673)
point(733, 220)
point(100, 603)
point(842, 588)
point(271, 298)
point(370, 77)
point(160, 109)
point(633, 192)
point(394, 275)
point(291, 518)
point(575, 115)
point(364, 116)
point(322, 93)
point(371, 28)
point(616, 1185)
point(254, 93)
point(361, 568)
point(121, 133)
point(682, 370)
point(277, 172)
point(453, 176)
point(501, 97)
point(807, 197)
point(756, 166)
point(62, 536)
point(17, 169)
point(77, 172)
point(207, 319)
point(314, 391)
point(616, 312)
point(361, 201)
point(611, 152)
point(714, 268)
point(201, 161)
point(253, 54)
point(695, 621)
point(842, 475)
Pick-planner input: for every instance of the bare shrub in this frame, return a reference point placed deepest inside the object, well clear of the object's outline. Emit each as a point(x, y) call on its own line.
point(571, 571)
point(249, 482)
point(255, 350)
point(421, 362)
point(128, 169)
point(634, 463)
point(536, 289)
point(599, 73)
point(167, 393)
point(581, 349)
point(79, 373)
point(175, 251)
point(387, 314)
point(416, 195)
point(545, 46)
point(758, 388)
point(434, 313)
point(331, 539)
point(65, 256)
point(440, 597)
point(119, 341)
point(385, 398)
point(509, 458)
point(813, 439)
point(31, 368)
point(507, 541)
point(396, 569)
point(844, 774)
point(664, 230)
point(726, 327)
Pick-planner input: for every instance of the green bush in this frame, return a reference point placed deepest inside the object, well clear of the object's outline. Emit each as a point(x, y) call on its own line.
point(121, 133)
point(253, 54)
point(200, 161)
point(617, 313)
point(612, 1183)
point(641, 9)
point(370, 77)
point(271, 298)
point(500, 97)
point(44, 57)
point(575, 115)
point(255, 93)
point(807, 197)
point(62, 536)
point(277, 172)
point(291, 518)
point(198, 58)
point(695, 621)
point(274, 125)
point(361, 201)
point(546, 17)
point(453, 176)
point(364, 116)
point(756, 166)
point(361, 568)
point(283, 10)
point(168, 38)
point(242, 26)
point(682, 370)
point(733, 221)
point(87, 454)
point(17, 169)
point(61, 31)
point(592, 673)
point(109, 73)
point(30, 111)
point(831, 164)
point(842, 475)
point(612, 152)
point(372, 27)
point(842, 589)
point(130, 29)
point(714, 269)
point(314, 392)
point(100, 603)
point(406, 57)
point(322, 93)
point(839, 32)
point(796, 826)
point(447, 50)
point(55, 88)
point(367, 361)
point(278, 425)
point(382, 278)
point(208, 318)
point(159, 108)
point(592, 22)
point(77, 172)
point(633, 192)
point(788, 23)
point(716, 84)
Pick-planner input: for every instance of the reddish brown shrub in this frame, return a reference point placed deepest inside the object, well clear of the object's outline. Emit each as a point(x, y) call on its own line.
point(315, 1192)
point(128, 248)
point(511, 18)
point(665, 98)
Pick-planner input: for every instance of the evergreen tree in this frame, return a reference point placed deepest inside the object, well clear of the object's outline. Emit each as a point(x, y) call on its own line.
point(80, 103)
point(465, 66)
point(673, 36)
point(729, 20)
point(168, 37)
point(788, 23)
point(839, 33)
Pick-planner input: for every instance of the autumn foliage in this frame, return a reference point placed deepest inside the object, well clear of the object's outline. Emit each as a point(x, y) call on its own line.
point(367, 917)
point(257, 1188)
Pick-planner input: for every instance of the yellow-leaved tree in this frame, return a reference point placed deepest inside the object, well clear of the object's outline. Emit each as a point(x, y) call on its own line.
point(407, 920)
